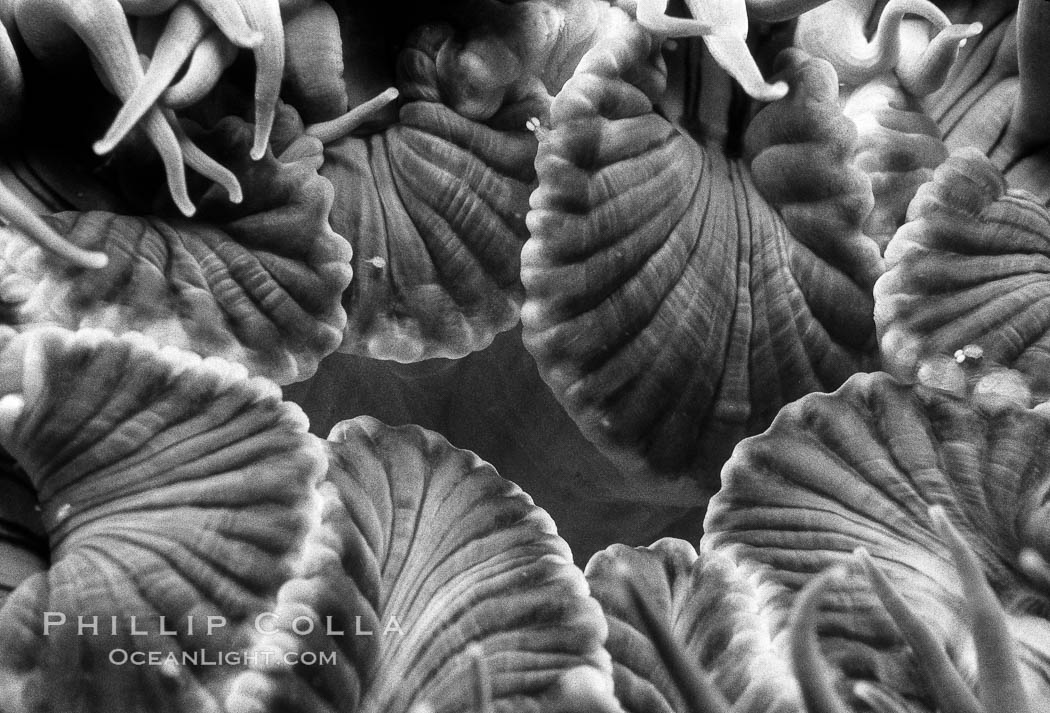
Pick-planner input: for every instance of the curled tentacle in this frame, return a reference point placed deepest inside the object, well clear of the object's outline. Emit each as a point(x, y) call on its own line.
point(925, 71)
point(836, 32)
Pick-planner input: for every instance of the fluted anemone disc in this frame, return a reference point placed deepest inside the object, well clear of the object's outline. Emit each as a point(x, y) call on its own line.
point(972, 266)
point(169, 487)
point(434, 205)
point(667, 304)
point(466, 565)
point(257, 283)
point(687, 630)
point(862, 467)
point(433, 208)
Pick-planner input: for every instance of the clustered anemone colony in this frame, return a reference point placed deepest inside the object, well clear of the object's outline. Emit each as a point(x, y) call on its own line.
point(766, 283)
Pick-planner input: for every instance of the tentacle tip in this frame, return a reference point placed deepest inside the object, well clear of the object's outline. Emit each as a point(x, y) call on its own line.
point(11, 406)
point(770, 92)
point(94, 260)
point(864, 690)
point(264, 118)
point(234, 192)
point(185, 207)
point(104, 145)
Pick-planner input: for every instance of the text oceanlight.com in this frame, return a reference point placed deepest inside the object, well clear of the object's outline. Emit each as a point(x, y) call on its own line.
point(203, 657)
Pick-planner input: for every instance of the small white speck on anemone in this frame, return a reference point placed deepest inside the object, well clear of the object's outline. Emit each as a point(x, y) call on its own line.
point(969, 270)
point(948, 496)
point(437, 190)
point(438, 197)
point(189, 515)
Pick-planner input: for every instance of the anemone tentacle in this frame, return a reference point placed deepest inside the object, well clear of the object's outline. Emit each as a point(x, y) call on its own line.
point(46, 27)
point(19, 216)
point(186, 27)
point(1031, 113)
point(723, 26)
point(836, 31)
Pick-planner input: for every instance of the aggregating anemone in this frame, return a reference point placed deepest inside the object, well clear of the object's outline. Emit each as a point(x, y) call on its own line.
point(649, 260)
